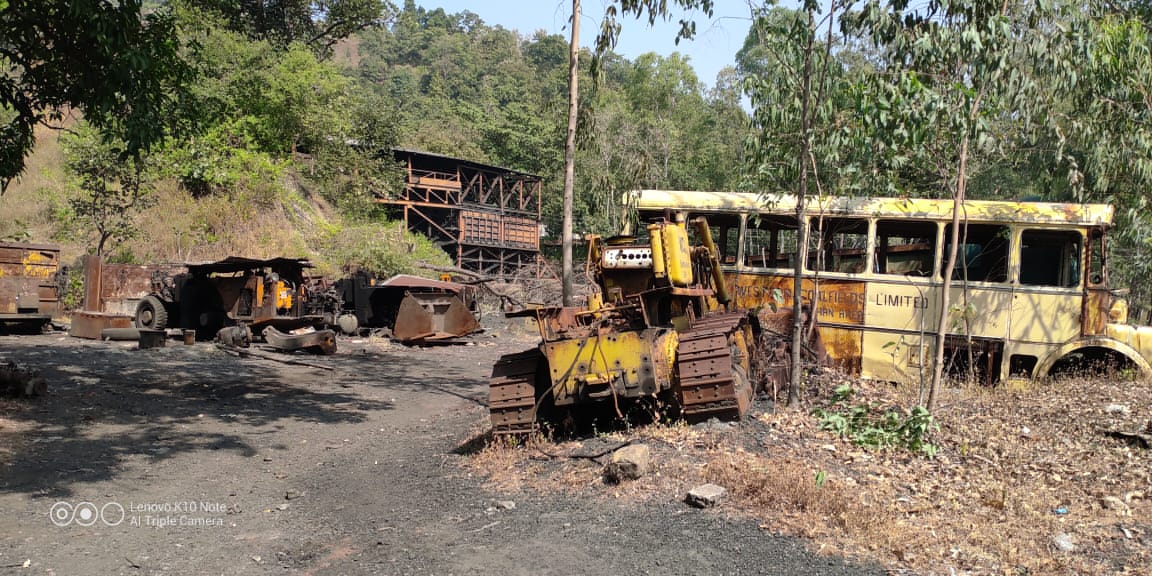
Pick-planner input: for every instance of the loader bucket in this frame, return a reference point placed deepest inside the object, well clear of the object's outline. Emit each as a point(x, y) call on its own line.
point(432, 317)
point(458, 320)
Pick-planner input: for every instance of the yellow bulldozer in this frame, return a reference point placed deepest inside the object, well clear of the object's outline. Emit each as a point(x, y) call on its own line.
point(656, 333)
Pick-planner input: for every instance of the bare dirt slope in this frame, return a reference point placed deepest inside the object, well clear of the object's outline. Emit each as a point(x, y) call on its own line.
point(210, 464)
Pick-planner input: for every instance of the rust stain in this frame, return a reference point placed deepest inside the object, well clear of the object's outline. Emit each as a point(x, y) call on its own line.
point(838, 301)
point(28, 278)
point(839, 310)
point(1095, 316)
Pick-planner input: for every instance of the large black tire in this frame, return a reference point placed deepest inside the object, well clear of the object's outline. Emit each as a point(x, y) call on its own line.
point(151, 314)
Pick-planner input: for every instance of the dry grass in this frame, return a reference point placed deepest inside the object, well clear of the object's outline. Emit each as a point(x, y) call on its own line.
point(27, 206)
point(991, 502)
point(272, 221)
point(180, 228)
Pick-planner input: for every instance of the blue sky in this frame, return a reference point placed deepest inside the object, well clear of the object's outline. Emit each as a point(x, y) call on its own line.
point(715, 46)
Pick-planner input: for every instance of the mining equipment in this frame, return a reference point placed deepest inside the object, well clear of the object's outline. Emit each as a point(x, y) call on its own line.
point(410, 309)
point(237, 298)
point(657, 333)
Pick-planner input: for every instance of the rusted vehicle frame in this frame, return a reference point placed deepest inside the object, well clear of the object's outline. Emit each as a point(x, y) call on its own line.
point(28, 284)
point(414, 309)
point(236, 291)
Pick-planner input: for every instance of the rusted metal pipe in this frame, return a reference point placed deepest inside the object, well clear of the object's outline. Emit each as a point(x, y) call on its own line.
point(713, 258)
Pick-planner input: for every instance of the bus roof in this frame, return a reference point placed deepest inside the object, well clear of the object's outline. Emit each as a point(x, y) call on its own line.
point(920, 208)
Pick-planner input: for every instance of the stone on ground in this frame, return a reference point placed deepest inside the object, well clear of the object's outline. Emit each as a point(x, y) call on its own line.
point(628, 463)
point(705, 496)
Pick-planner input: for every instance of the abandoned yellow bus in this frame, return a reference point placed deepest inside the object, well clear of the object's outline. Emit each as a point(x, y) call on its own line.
point(1029, 296)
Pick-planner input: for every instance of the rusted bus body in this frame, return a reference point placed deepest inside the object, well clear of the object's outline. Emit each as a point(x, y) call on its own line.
point(28, 284)
point(1029, 292)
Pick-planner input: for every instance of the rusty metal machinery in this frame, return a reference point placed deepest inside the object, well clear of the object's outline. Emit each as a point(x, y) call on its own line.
point(28, 285)
point(657, 333)
point(244, 294)
point(411, 309)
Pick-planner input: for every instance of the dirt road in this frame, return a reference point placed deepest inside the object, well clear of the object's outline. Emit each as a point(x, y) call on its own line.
point(187, 460)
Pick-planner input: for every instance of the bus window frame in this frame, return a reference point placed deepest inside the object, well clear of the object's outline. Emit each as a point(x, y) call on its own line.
point(1081, 280)
point(825, 221)
point(745, 225)
point(937, 257)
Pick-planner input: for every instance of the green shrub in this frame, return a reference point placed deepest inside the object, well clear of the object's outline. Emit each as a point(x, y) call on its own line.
point(382, 249)
point(866, 424)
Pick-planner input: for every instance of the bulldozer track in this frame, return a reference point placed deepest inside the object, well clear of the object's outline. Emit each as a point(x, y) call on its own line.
point(710, 381)
point(512, 392)
point(711, 377)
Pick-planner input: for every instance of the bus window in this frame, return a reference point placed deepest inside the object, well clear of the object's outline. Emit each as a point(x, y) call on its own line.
point(983, 252)
point(905, 248)
point(838, 245)
point(1096, 257)
point(727, 238)
point(1050, 258)
point(770, 242)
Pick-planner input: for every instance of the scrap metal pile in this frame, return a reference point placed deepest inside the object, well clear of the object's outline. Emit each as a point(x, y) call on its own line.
point(238, 300)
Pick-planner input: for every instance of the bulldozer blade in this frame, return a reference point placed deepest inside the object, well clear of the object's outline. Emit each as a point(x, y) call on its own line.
point(458, 320)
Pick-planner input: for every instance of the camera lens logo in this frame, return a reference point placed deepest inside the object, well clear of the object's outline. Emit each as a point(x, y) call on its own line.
point(61, 513)
point(112, 514)
point(86, 514)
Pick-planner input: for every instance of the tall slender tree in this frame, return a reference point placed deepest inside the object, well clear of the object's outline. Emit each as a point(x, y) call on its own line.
point(570, 153)
point(796, 86)
point(951, 67)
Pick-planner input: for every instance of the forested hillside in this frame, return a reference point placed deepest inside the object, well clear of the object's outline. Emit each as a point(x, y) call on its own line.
point(277, 142)
point(276, 115)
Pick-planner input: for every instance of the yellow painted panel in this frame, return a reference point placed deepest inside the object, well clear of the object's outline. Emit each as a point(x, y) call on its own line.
point(572, 363)
point(896, 357)
point(899, 305)
point(983, 312)
point(1138, 337)
point(1046, 317)
point(677, 255)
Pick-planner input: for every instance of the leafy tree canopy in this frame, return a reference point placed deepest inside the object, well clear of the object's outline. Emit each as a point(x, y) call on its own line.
point(319, 24)
point(117, 66)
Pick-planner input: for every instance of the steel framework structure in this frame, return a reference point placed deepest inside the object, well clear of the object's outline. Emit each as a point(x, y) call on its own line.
point(486, 217)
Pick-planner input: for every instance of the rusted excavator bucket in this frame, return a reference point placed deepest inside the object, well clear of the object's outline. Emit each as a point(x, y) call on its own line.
point(431, 317)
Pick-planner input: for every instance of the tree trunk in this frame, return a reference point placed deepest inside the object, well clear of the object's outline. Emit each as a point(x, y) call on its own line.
point(570, 154)
point(949, 267)
point(802, 229)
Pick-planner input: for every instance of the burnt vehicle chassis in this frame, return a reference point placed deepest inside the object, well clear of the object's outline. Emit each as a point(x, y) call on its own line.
point(235, 292)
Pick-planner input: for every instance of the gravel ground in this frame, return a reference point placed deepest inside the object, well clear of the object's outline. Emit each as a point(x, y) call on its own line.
point(205, 463)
